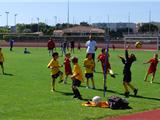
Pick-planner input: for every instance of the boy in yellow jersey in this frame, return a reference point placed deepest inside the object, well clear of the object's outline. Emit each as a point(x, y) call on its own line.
point(89, 69)
point(77, 78)
point(55, 72)
point(1, 60)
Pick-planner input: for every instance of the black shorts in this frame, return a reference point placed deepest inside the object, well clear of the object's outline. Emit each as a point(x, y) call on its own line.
point(76, 82)
point(1, 63)
point(57, 74)
point(127, 76)
point(72, 46)
point(89, 75)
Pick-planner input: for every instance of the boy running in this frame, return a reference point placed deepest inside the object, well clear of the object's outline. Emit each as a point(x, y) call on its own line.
point(1, 60)
point(77, 78)
point(102, 57)
point(89, 69)
point(127, 61)
point(152, 68)
point(55, 72)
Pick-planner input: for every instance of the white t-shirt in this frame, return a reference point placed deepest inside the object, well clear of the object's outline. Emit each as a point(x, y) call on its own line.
point(91, 46)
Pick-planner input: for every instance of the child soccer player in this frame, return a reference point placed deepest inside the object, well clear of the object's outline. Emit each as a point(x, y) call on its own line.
point(79, 46)
point(102, 57)
point(67, 65)
point(127, 61)
point(77, 78)
point(89, 69)
point(1, 60)
point(26, 51)
point(153, 67)
point(54, 66)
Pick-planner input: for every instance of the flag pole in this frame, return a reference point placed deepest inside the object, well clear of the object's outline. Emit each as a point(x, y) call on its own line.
point(107, 39)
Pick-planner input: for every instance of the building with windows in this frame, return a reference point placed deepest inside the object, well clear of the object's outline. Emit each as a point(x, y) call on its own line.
point(116, 26)
point(80, 33)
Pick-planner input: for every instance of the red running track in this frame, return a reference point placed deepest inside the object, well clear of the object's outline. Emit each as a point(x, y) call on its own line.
point(148, 115)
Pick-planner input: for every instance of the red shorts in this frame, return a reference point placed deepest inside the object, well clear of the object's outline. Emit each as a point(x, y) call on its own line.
point(151, 70)
point(68, 71)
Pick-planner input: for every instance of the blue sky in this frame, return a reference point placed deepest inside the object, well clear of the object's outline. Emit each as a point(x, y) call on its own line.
point(80, 10)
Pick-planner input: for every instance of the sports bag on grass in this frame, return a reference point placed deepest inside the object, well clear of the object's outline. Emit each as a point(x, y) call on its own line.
point(116, 102)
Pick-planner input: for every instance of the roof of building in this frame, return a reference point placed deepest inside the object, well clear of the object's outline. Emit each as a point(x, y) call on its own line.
point(83, 29)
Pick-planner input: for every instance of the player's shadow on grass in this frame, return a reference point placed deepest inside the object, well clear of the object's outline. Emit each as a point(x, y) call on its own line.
point(143, 97)
point(71, 94)
point(8, 74)
point(65, 93)
point(110, 91)
point(138, 96)
point(156, 83)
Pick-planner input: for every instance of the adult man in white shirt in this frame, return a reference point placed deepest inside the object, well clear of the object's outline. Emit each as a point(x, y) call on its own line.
point(91, 47)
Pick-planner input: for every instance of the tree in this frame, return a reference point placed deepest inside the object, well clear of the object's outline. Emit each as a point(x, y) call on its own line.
point(148, 27)
point(4, 30)
point(84, 24)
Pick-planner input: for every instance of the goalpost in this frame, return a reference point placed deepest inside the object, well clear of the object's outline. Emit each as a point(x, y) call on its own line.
point(148, 42)
point(158, 42)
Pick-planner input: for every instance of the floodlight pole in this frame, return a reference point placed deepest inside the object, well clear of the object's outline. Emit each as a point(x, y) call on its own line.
point(7, 19)
point(0, 16)
point(149, 21)
point(15, 15)
point(158, 40)
point(38, 24)
point(107, 39)
point(128, 23)
point(68, 12)
point(55, 20)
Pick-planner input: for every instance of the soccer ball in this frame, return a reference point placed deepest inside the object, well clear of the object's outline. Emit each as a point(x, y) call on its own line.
point(138, 44)
point(96, 99)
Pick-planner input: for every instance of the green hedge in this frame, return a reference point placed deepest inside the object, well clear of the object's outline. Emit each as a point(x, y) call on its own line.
point(25, 37)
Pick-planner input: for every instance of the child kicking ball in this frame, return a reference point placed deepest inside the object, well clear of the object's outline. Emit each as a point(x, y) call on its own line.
point(55, 72)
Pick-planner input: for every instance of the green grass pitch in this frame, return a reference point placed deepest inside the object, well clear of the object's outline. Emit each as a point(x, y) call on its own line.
point(25, 91)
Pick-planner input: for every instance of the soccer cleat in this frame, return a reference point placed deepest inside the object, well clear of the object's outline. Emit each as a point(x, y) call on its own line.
point(135, 92)
point(113, 75)
point(60, 81)
point(65, 82)
point(80, 97)
point(53, 90)
point(126, 94)
point(87, 87)
point(74, 96)
point(93, 87)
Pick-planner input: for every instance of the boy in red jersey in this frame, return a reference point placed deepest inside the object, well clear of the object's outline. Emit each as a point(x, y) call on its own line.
point(102, 57)
point(51, 46)
point(1, 60)
point(153, 67)
point(67, 66)
point(79, 46)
